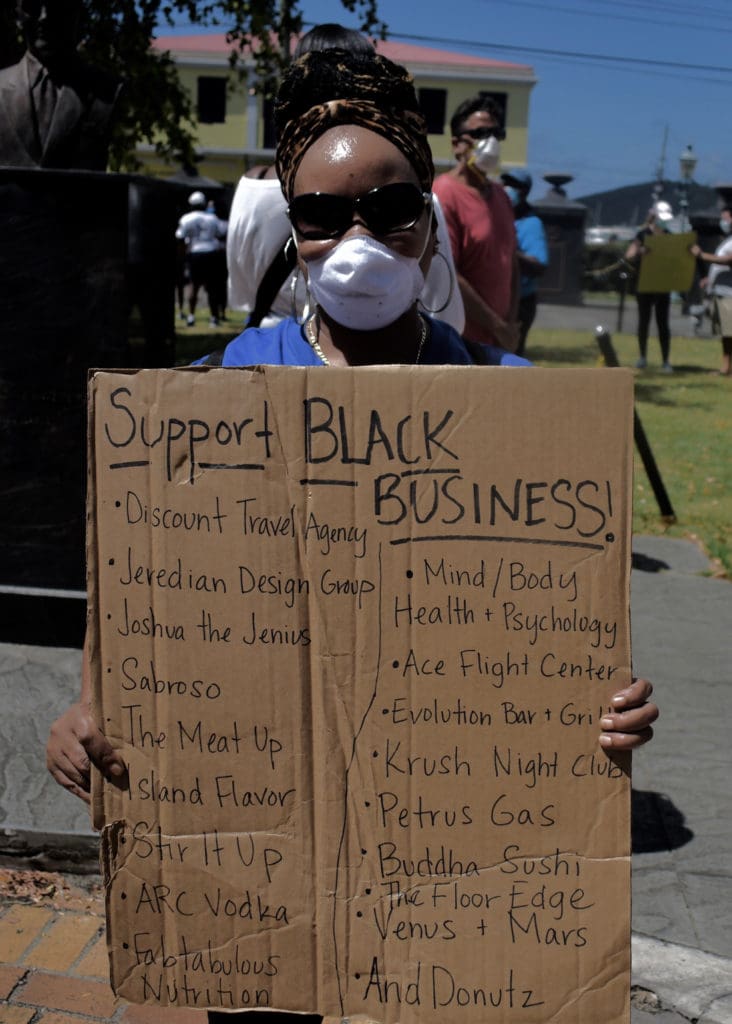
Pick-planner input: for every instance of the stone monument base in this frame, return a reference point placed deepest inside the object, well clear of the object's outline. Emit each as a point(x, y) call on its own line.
point(82, 254)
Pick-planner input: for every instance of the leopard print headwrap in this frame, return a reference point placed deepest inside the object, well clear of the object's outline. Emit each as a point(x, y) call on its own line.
point(328, 88)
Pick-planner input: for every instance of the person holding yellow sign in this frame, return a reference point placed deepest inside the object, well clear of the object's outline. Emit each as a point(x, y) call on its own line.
point(658, 303)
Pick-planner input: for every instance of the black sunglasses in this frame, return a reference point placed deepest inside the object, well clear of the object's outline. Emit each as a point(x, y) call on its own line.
point(485, 133)
point(384, 210)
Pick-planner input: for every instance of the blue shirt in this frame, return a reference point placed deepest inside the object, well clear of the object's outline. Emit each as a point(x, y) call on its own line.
point(531, 241)
point(285, 344)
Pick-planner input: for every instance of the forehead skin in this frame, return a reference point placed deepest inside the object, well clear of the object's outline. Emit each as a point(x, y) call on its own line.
point(349, 160)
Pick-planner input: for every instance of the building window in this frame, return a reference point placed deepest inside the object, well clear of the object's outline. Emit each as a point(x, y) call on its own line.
point(501, 101)
point(433, 103)
point(211, 100)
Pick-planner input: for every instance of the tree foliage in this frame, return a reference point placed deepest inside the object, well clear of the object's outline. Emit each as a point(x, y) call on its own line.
point(155, 108)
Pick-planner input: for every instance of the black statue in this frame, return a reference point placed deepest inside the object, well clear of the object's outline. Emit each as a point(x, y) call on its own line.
point(55, 109)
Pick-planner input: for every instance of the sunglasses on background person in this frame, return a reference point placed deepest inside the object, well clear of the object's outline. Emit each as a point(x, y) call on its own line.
point(384, 210)
point(484, 133)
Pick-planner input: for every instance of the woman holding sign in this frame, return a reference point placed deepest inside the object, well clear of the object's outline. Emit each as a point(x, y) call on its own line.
point(356, 171)
point(658, 303)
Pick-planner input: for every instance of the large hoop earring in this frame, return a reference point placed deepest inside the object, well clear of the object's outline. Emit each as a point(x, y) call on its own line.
point(307, 307)
point(451, 287)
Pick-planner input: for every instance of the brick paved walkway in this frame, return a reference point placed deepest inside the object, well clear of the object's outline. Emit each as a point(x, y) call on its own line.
point(53, 955)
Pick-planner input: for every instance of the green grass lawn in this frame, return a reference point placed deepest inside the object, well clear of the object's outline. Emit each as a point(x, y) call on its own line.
point(192, 342)
point(687, 418)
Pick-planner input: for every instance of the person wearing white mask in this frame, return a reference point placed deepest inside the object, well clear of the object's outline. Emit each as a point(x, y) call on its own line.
point(718, 285)
point(356, 175)
point(356, 172)
point(258, 228)
point(481, 225)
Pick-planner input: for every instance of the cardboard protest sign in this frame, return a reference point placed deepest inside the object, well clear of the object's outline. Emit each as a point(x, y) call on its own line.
point(354, 631)
point(667, 266)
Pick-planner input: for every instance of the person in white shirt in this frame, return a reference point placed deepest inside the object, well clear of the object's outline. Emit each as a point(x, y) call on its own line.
point(202, 232)
point(718, 285)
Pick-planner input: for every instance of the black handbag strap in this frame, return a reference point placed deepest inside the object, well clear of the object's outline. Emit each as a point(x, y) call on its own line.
point(274, 277)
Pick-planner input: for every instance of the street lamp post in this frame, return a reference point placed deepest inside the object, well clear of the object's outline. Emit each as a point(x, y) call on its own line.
point(687, 165)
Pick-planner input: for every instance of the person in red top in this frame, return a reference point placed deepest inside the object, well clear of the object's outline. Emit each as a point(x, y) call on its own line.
point(480, 223)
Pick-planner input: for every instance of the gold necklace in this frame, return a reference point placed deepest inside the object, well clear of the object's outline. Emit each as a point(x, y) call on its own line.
point(422, 336)
point(311, 333)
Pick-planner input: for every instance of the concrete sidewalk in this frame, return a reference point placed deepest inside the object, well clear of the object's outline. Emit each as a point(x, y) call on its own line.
point(599, 310)
point(682, 820)
point(682, 799)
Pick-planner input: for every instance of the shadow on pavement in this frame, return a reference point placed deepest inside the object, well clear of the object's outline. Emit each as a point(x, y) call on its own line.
point(657, 824)
point(645, 563)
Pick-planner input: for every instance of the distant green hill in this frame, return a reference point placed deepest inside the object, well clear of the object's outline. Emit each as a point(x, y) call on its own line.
point(630, 204)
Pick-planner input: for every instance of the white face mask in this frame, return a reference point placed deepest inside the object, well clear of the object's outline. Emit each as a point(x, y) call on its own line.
point(725, 226)
point(486, 155)
point(363, 284)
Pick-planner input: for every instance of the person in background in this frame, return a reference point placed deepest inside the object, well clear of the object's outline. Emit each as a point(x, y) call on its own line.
point(533, 254)
point(259, 227)
point(718, 285)
point(202, 231)
point(480, 223)
point(219, 272)
point(182, 276)
point(658, 303)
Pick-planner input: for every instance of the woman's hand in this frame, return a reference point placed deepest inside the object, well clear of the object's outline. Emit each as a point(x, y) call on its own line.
point(628, 725)
point(75, 743)
point(695, 250)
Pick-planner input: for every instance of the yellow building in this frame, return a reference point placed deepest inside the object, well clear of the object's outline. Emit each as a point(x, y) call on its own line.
point(235, 124)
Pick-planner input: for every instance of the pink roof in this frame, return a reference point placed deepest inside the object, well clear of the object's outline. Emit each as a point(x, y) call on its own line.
point(403, 53)
point(408, 53)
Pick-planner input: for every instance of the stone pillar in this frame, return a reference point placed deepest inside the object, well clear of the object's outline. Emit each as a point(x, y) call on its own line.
point(74, 249)
point(564, 223)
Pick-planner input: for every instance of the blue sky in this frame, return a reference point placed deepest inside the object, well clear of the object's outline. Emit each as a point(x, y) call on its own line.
point(602, 122)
